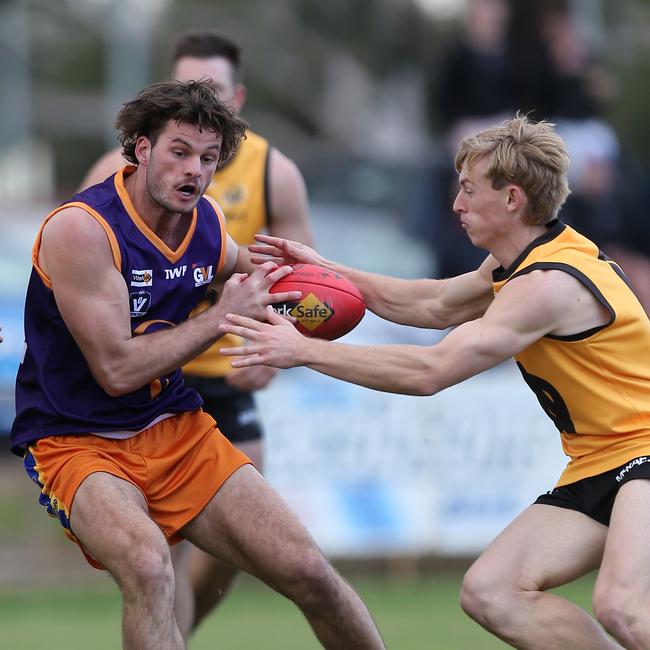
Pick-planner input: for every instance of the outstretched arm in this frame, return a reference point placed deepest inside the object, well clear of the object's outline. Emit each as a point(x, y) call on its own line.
point(526, 309)
point(435, 304)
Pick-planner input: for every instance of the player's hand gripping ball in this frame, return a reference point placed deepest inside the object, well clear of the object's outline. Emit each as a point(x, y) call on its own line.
point(330, 306)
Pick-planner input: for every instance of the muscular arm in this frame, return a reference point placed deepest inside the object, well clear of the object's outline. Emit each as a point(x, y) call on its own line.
point(93, 300)
point(526, 309)
point(422, 303)
point(108, 164)
point(436, 304)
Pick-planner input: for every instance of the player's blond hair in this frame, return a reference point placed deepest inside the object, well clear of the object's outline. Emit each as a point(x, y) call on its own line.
point(529, 154)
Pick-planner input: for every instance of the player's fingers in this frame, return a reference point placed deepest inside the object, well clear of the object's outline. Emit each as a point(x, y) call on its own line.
point(265, 249)
point(234, 352)
point(279, 311)
point(250, 360)
point(267, 267)
point(277, 274)
point(241, 321)
point(278, 319)
point(258, 259)
point(286, 296)
point(237, 278)
point(269, 239)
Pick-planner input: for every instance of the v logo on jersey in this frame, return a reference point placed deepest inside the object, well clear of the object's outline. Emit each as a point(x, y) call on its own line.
point(139, 301)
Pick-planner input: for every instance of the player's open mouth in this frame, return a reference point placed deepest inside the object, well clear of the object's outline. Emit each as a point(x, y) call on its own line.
point(188, 191)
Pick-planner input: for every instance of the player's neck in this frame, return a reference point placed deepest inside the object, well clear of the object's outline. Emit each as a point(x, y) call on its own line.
point(170, 227)
point(508, 248)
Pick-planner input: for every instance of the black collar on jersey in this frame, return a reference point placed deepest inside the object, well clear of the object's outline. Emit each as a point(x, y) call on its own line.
point(554, 228)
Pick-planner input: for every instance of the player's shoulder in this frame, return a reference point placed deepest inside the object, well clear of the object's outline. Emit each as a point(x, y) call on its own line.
point(552, 288)
point(75, 223)
point(283, 171)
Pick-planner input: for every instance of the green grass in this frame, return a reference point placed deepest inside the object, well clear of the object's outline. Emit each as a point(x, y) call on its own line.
point(415, 614)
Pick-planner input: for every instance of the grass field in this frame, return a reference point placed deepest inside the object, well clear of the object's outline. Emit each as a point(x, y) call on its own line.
point(415, 614)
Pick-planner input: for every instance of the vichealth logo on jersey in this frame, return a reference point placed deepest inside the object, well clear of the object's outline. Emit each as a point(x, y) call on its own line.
point(141, 278)
point(202, 274)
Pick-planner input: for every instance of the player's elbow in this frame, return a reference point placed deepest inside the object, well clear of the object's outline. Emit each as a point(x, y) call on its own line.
point(113, 387)
point(425, 384)
point(114, 382)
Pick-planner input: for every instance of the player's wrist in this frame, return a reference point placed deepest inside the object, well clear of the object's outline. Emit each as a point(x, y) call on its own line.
point(311, 351)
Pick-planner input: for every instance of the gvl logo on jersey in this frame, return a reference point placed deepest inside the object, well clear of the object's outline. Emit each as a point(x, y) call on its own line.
point(202, 275)
point(140, 301)
point(141, 278)
point(176, 272)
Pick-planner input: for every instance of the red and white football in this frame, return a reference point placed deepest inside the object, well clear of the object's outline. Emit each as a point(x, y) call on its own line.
point(330, 306)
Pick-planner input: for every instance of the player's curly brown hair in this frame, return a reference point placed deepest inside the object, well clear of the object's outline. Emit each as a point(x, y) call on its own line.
point(529, 154)
point(192, 102)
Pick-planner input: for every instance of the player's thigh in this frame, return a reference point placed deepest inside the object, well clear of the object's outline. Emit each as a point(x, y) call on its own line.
point(248, 525)
point(545, 546)
point(109, 518)
point(627, 551)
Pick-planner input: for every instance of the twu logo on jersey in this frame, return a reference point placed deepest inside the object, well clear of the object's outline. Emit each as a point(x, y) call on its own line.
point(139, 302)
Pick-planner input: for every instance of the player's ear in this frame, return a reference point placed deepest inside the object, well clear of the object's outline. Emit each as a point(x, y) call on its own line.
point(142, 149)
point(239, 97)
point(515, 198)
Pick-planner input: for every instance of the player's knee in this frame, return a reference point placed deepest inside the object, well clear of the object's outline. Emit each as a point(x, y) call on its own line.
point(147, 568)
point(485, 600)
point(312, 580)
point(620, 613)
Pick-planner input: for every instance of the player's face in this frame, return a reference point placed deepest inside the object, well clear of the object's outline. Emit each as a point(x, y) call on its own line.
point(180, 165)
point(219, 70)
point(480, 208)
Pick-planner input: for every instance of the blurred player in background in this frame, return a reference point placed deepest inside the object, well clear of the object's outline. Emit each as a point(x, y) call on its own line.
point(547, 296)
point(258, 189)
point(122, 453)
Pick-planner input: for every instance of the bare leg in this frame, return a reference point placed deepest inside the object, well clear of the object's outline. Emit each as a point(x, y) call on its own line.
point(622, 592)
point(504, 591)
point(109, 517)
point(249, 526)
point(211, 579)
point(181, 555)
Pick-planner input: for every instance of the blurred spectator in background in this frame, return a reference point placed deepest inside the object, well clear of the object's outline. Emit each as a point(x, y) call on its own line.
point(474, 85)
point(471, 89)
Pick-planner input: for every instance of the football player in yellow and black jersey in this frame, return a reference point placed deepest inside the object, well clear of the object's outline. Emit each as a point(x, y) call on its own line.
point(548, 297)
point(259, 189)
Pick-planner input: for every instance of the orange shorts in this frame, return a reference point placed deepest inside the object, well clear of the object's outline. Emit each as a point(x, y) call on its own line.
point(178, 465)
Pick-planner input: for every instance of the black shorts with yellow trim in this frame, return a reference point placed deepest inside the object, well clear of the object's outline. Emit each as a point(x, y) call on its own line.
point(594, 496)
point(233, 409)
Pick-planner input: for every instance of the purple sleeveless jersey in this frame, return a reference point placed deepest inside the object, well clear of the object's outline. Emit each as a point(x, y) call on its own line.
point(56, 393)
